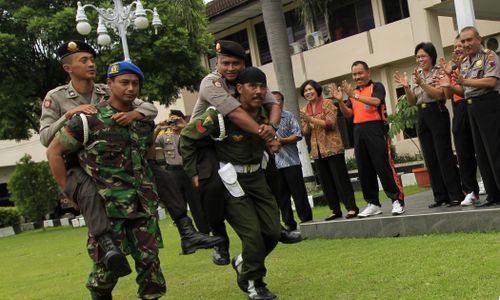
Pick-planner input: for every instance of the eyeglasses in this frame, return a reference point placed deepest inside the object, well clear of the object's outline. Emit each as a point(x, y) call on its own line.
point(421, 56)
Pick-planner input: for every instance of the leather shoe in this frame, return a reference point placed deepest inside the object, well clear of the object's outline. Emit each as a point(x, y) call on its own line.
point(333, 217)
point(436, 204)
point(453, 203)
point(221, 255)
point(290, 237)
point(351, 214)
point(485, 204)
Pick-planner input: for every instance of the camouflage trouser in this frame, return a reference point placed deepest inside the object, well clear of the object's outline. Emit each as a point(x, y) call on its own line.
point(137, 237)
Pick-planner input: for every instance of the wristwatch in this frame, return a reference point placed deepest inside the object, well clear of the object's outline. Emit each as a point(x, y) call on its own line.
point(356, 96)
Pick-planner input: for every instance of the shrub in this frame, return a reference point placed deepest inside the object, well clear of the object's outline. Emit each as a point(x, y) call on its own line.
point(9, 216)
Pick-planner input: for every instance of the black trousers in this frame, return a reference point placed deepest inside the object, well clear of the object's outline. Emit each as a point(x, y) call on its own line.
point(81, 188)
point(288, 182)
point(211, 190)
point(484, 112)
point(335, 183)
point(182, 182)
point(170, 195)
point(373, 156)
point(433, 128)
point(464, 145)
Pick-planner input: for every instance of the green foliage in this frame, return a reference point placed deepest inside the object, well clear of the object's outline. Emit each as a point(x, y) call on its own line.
point(351, 163)
point(9, 216)
point(404, 118)
point(33, 189)
point(31, 31)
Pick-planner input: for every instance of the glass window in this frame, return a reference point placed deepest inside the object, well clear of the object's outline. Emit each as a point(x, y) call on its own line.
point(395, 10)
point(349, 19)
point(264, 51)
point(241, 37)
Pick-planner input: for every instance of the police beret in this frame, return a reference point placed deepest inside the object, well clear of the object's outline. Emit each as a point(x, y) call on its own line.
point(72, 47)
point(230, 48)
point(252, 75)
point(124, 67)
point(176, 112)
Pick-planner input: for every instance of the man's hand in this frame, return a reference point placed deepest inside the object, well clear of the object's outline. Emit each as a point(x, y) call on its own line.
point(446, 67)
point(336, 92)
point(125, 118)
point(195, 181)
point(273, 146)
point(457, 76)
point(443, 80)
point(88, 109)
point(266, 132)
point(347, 88)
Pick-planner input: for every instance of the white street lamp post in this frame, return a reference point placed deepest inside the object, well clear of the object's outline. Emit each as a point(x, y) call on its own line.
point(119, 19)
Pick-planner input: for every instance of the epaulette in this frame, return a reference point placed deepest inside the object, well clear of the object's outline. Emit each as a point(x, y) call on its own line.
point(101, 88)
point(57, 89)
point(486, 50)
point(464, 59)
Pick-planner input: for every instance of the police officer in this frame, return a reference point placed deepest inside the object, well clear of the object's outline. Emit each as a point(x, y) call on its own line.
point(478, 79)
point(116, 158)
point(249, 205)
point(217, 89)
point(80, 96)
point(372, 147)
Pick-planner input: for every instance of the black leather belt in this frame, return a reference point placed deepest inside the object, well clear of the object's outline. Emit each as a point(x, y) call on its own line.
point(429, 104)
point(174, 167)
point(481, 97)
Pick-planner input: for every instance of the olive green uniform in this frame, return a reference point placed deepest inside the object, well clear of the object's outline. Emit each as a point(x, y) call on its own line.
point(255, 215)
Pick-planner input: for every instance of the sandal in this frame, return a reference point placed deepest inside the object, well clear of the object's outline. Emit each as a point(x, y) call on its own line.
point(351, 214)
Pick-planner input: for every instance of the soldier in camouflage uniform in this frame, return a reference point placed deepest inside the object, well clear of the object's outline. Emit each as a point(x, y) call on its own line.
point(116, 158)
point(250, 207)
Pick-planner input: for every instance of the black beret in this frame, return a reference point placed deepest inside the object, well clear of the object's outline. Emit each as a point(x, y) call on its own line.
point(72, 47)
point(230, 48)
point(252, 75)
point(176, 112)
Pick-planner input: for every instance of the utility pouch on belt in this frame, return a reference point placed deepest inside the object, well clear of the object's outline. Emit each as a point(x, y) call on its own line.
point(230, 179)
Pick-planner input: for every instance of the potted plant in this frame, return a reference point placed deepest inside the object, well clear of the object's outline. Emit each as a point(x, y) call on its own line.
point(406, 118)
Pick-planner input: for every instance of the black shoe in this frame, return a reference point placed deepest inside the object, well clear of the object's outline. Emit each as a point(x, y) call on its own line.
point(221, 255)
point(485, 204)
point(113, 259)
point(290, 227)
point(436, 204)
point(257, 290)
point(290, 237)
point(98, 296)
point(453, 203)
point(242, 284)
point(333, 217)
point(192, 240)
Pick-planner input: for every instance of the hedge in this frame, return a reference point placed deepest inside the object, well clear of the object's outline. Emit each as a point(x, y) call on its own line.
point(9, 216)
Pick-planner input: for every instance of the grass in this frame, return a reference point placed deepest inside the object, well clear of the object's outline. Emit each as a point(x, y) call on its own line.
point(53, 264)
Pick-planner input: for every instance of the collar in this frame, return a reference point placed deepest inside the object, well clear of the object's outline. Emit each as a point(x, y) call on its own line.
point(362, 87)
point(72, 93)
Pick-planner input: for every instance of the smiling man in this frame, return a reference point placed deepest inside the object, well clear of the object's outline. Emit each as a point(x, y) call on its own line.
point(371, 145)
point(115, 157)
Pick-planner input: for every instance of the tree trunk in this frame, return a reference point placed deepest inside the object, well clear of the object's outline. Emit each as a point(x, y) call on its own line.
point(274, 21)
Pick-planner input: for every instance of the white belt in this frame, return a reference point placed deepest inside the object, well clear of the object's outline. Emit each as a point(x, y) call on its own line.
point(245, 169)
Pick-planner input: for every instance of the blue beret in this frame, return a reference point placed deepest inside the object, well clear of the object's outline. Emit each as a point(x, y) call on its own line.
point(72, 47)
point(124, 67)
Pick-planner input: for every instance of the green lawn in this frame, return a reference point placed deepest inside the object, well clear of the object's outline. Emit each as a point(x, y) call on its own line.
point(53, 264)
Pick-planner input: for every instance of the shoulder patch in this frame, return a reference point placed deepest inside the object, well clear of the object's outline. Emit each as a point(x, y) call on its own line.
point(464, 59)
point(199, 127)
point(486, 50)
point(208, 121)
point(47, 103)
point(217, 83)
point(237, 138)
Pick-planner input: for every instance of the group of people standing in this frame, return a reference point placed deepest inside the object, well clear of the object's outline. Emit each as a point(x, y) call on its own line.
point(237, 159)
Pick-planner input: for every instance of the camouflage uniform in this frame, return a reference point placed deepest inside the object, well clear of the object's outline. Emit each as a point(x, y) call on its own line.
point(115, 157)
point(254, 216)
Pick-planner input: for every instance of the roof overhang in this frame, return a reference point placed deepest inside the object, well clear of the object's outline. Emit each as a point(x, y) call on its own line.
point(483, 9)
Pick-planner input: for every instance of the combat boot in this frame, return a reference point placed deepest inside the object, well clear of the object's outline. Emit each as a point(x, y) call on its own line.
point(257, 290)
point(98, 296)
point(221, 254)
point(192, 240)
point(290, 237)
point(114, 259)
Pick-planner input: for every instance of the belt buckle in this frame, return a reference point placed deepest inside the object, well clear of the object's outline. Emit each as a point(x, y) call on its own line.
point(469, 100)
point(424, 105)
point(247, 168)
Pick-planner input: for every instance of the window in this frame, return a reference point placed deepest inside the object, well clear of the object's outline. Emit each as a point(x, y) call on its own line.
point(395, 10)
point(347, 18)
point(295, 31)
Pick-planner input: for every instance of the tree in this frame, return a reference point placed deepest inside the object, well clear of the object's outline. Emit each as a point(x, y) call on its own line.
point(32, 189)
point(31, 31)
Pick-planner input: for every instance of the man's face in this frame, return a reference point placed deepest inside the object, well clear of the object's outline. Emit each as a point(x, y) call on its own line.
point(471, 42)
point(458, 51)
point(81, 65)
point(360, 75)
point(279, 100)
point(124, 88)
point(252, 94)
point(229, 66)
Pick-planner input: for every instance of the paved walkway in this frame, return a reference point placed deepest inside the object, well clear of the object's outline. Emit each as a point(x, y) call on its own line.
point(418, 220)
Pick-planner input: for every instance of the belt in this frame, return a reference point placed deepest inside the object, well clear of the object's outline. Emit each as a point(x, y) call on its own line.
point(428, 105)
point(245, 169)
point(174, 167)
point(479, 97)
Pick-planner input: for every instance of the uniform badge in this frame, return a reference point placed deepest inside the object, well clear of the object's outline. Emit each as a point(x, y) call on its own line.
point(218, 48)
point(237, 138)
point(199, 127)
point(208, 121)
point(479, 64)
point(72, 47)
point(469, 101)
point(72, 93)
point(114, 68)
point(217, 83)
point(47, 103)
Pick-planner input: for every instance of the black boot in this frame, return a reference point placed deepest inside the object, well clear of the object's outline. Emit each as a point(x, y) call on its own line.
point(192, 240)
point(290, 237)
point(221, 254)
point(98, 296)
point(114, 259)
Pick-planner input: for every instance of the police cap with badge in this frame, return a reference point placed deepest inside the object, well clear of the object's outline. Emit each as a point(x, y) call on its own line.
point(225, 47)
point(73, 47)
point(124, 67)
